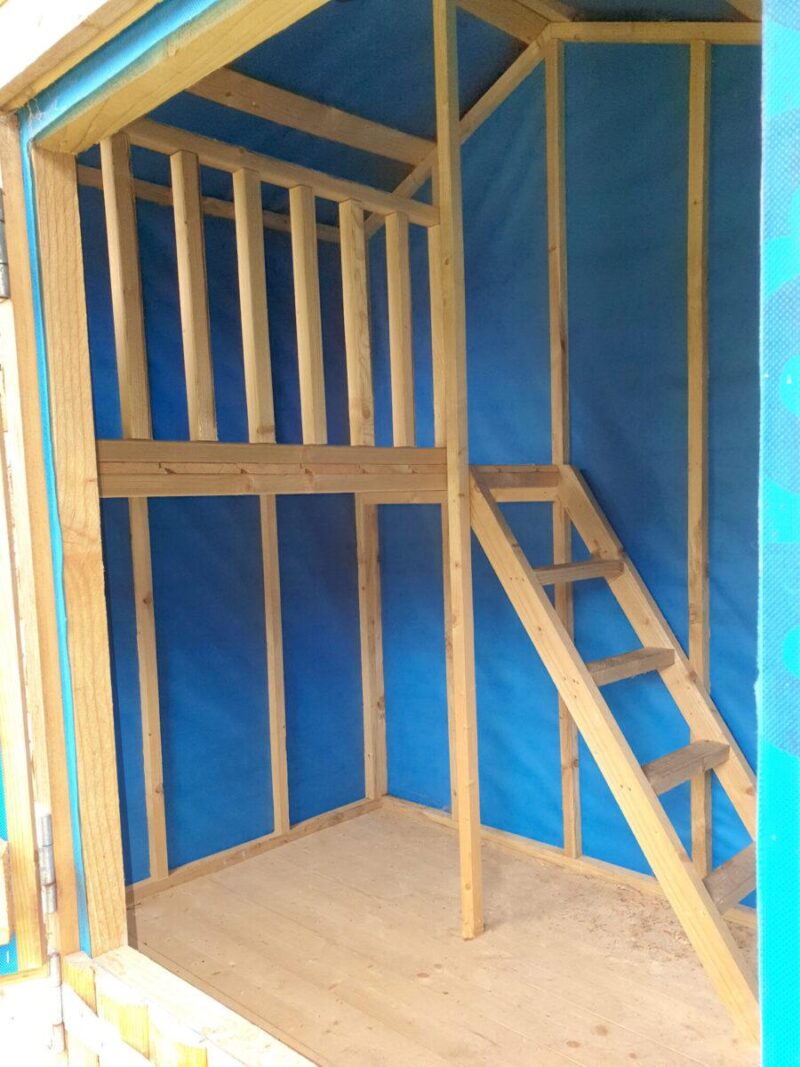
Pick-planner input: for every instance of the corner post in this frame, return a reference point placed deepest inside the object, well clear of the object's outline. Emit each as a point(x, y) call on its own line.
point(453, 325)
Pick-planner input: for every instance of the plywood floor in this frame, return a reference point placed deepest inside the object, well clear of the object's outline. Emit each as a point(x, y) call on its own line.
point(345, 944)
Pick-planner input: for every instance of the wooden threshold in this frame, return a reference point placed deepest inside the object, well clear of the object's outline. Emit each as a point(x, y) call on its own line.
point(200, 468)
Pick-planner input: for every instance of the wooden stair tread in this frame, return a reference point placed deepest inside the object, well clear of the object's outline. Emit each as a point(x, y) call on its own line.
point(684, 763)
point(630, 664)
point(559, 573)
point(732, 881)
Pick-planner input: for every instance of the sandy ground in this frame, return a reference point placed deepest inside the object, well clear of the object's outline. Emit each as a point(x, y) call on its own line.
point(25, 1024)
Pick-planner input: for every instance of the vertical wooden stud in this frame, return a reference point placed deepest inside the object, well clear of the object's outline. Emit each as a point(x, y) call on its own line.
point(193, 293)
point(253, 300)
point(261, 427)
point(134, 394)
point(440, 441)
point(559, 414)
point(358, 345)
point(369, 602)
point(460, 571)
point(309, 315)
point(697, 331)
point(401, 355)
point(72, 427)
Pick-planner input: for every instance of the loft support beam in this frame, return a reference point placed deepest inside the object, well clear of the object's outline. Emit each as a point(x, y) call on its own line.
point(453, 327)
point(697, 351)
point(514, 17)
point(559, 415)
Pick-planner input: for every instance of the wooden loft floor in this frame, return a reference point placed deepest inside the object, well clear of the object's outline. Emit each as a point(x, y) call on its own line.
point(345, 944)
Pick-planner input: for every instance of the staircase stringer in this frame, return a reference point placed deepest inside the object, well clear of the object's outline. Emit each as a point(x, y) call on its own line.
point(705, 927)
point(693, 700)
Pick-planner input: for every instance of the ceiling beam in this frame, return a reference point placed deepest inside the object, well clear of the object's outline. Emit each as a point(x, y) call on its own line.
point(231, 89)
point(656, 32)
point(552, 10)
point(180, 59)
point(511, 16)
point(751, 9)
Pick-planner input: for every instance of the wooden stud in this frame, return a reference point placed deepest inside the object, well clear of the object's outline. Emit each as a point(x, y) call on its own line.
point(559, 415)
point(261, 428)
point(275, 672)
point(134, 393)
point(358, 345)
point(253, 302)
point(440, 438)
point(362, 432)
point(309, 315)
point(697, 347)
point(227, 157)
point(25, 455)
point(683, 887)
point(458, 510)
point(72, 427)
point(6, 895)
point(211, 205)
point(232, 89)
point(401, 355)
point(193, 291)
point(369, 602)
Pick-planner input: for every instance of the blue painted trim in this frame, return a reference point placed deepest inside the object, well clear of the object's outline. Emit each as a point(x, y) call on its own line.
point(132, 50)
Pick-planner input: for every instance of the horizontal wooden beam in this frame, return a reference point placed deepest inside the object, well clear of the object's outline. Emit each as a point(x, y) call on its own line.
point(178, 60)
point(211, 205)
point(655, 32)
point(192, 468)
point(584, 570)
point(511, 16)
point(227, 157)
point(232, 89)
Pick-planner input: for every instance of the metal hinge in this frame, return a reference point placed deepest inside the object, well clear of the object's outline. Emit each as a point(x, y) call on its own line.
point(47, 865)
point(5, 279)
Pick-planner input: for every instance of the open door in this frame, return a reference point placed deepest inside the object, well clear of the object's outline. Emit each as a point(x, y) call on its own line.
point(21, 921)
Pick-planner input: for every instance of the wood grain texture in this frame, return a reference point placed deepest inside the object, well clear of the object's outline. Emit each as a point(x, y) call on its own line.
point(232, 89)
point(460, 623)
point(193, 293)
point(308, 315)
point(372, 683)
point(401, 353)
point(357, 339)
point(210, 205)
point(393, 985)
point(73, 436)
point(511, 16)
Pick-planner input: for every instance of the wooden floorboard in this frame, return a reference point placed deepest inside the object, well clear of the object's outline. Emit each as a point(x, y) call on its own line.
point(346, 945)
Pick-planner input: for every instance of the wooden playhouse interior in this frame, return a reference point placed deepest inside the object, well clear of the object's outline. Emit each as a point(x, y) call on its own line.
point(343, 941)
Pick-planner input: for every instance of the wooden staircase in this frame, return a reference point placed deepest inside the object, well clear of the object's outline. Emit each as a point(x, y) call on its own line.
point(698, 903)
